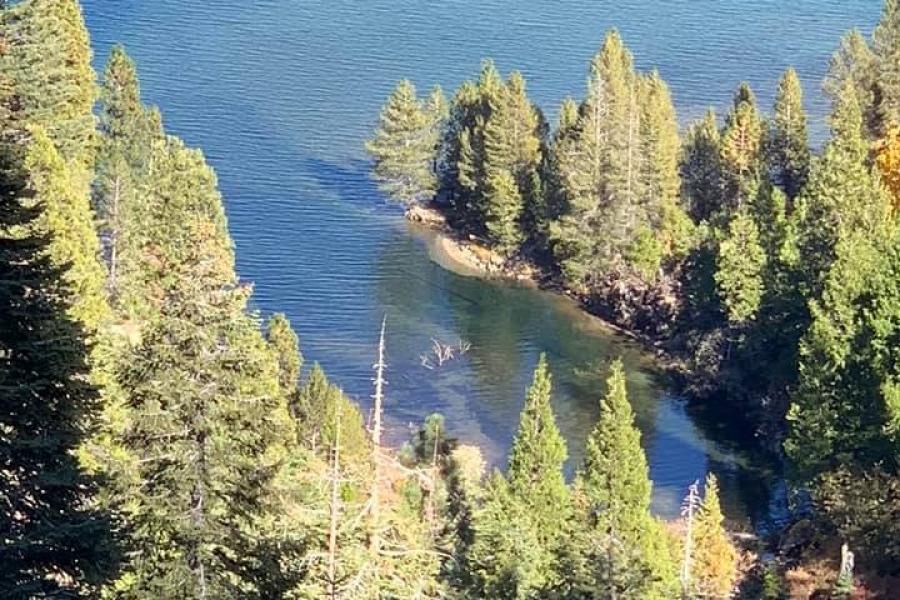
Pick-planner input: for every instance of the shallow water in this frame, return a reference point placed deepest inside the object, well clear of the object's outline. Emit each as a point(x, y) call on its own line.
point(281, 93)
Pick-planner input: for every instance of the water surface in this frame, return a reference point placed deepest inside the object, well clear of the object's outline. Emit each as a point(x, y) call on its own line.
point(281, 93)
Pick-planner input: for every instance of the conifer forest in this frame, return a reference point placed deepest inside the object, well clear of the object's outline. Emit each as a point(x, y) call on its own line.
point(161, 437)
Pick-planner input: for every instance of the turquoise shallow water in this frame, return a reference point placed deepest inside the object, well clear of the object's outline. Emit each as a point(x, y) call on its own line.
point(281, 93)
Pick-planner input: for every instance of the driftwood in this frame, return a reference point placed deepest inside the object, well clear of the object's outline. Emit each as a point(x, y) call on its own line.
point(441, 353)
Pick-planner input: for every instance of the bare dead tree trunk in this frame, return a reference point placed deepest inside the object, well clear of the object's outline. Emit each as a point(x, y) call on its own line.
point(334, 509)
point(374, 536)
point(688, 510)
point(432, 510)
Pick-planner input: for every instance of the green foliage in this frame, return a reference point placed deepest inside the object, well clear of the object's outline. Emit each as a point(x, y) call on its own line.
point(740, 264)
point(615, 172)
point(788, 147)
point(53, 540)
point(127, 132)
point(66, 221)
point(504, 208)
point(507, 560)
point(886, 47)
point(319, 407)
point(207, 429)
point(854, 65)
point(844, 412)
point(701, 169)
point(285, 346)
point(843, 195)
point(403, 147)
point(714, 560)
point(518, 533)
point(626, 543)
point(182, 190)
point(49, 63)
point(741, 150)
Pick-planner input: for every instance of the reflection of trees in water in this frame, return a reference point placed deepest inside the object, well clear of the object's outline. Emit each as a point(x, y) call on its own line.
point(751, 479)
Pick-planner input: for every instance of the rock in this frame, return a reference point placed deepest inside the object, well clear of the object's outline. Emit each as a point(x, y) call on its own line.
point(426, 216)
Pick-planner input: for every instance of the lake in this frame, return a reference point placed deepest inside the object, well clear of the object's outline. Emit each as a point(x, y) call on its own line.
point(280, 94)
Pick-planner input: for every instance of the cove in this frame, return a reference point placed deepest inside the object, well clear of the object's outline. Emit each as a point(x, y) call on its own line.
point(280, 95)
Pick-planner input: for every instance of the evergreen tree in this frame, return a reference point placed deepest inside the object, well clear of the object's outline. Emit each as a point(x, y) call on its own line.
point(512, 155)
point(519, 558)
point(49, 63)
point(504, 206)
point(854, 63)
point(741, 148)
point(789, 154)
point(403, 147)
point(54, 541)
point(714, 560)
point(701, 169)
point(182, 189)
point(598, 172)
point(625, 542)
point(843, 195)
point(285, 346)
point(320, 405)
point(886, 48)
point(740, 269)
point(846, 409)
point(208, 428)
point(455, 141)
point(127, 130)
point(537, 456)
point(660, 145)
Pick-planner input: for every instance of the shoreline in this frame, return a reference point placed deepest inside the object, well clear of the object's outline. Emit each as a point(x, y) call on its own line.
point(469, 258)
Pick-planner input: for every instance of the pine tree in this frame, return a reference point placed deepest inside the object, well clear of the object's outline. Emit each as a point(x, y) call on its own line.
point(208, 429)
point(847, 408)
point(66, 220)
point(843, 194)
point(320, 404)
point(615, 488)
point(854, 63)
point(127, 132)
point(598, 171)
point(504, 206)
point(741, 148)
point(54, 540)
point(660, 145)
point(886, 48)
point(740, 269)
point(286, 347)
point(463, 111)
point(714, 558)
point(507, 560)
point(789, 154)
point(182, 189)
point(701, 169)
point(512, 154)
point(538, 453)
point(531, 503)
point(403, 148)
point(49, 63)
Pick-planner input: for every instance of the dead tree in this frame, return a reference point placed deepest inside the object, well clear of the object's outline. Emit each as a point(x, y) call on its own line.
point(374, 536)
point(688, 510)
point(334, 509)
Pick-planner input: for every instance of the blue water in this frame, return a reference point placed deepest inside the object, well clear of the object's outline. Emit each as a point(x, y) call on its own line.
point(281, 93)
